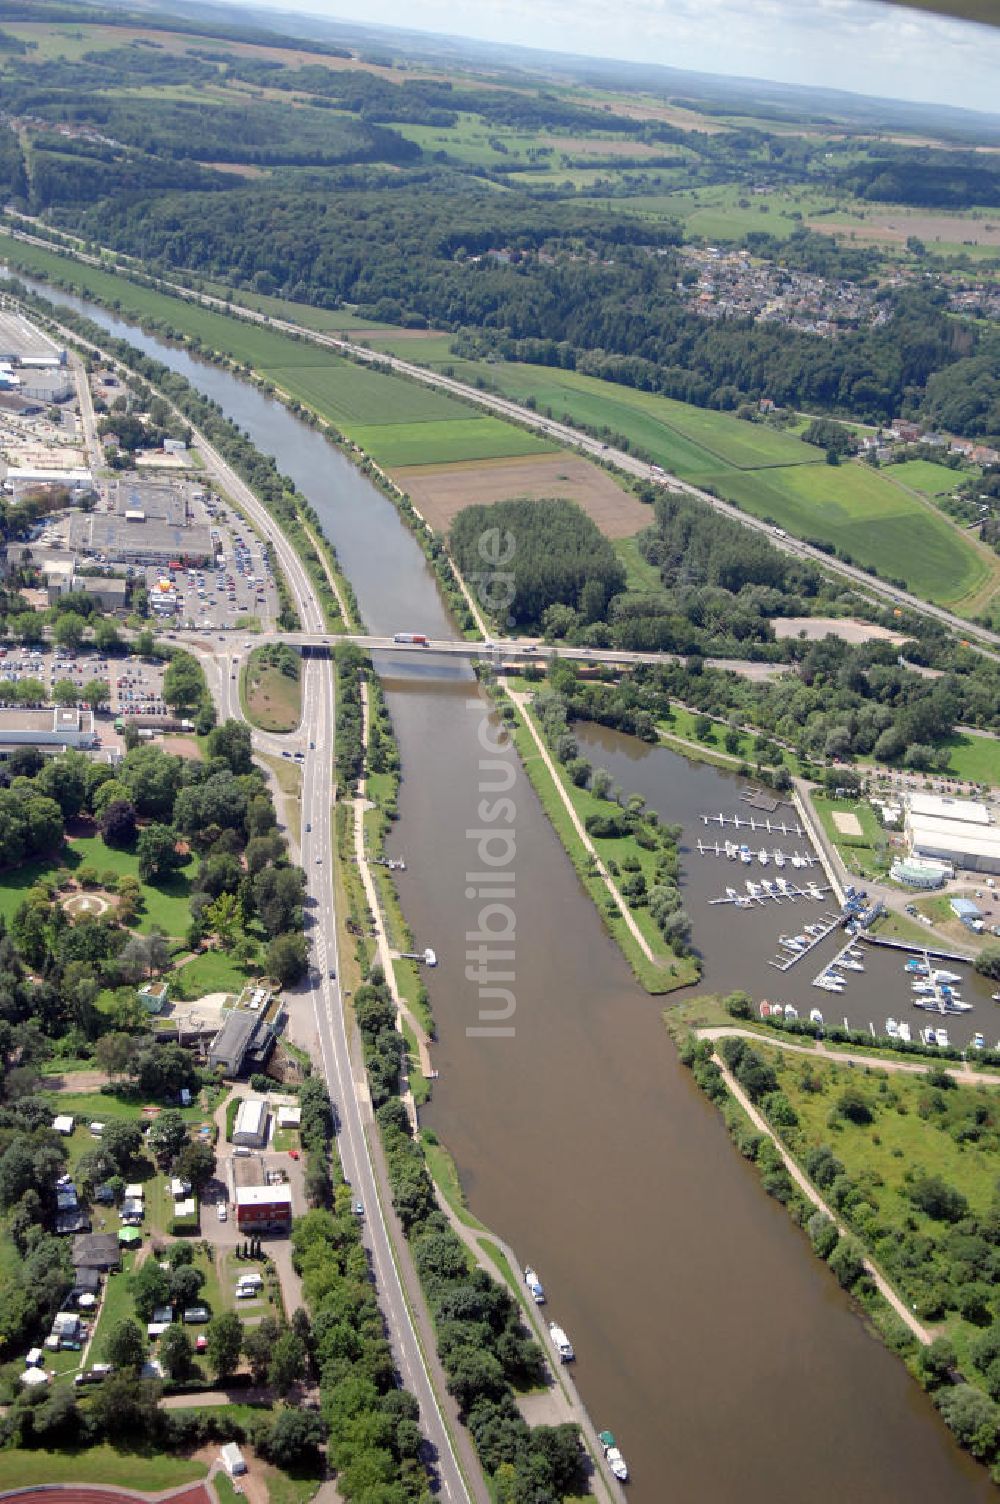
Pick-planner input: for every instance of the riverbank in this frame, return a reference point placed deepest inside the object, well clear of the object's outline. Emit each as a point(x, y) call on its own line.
point(868, 1155)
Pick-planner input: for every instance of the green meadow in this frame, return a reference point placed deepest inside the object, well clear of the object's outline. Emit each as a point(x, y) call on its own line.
point(397, 444)
point(926, 477)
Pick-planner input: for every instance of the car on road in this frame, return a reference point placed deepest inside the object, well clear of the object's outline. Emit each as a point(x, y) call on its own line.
point(359, 1208)
point(333, 974)
point(223, 1211)
point(319, 859)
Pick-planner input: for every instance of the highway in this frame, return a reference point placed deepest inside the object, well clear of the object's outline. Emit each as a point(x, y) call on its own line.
point(501, 651)
point(316, 740)
point(980, 637)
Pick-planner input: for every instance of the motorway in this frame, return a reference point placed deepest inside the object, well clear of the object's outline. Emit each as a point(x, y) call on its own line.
point(498, 652)
point(316, 739)
point(572, 438)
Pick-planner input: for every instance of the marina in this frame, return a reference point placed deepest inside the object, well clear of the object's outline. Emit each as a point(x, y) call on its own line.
point(590, 1052)
point(780, 827)
point(795, 948)
point(736, 851)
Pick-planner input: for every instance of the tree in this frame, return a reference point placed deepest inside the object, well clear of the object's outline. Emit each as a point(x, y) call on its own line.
point(258, 1345)
point(196, 1163)
point(987, 963)
point(157, 853)
point(118, 824)
point(176, 1354)
point(185, 1285)
point(937, 1199)
point(69, 630)
point(116, 1054)
point(121, 1142)
point(224, 1340)
point(96, 692)
point(125, 1346)
point(149, 1287)
point(167, 1135)
point(231, 741)
point(853, 1105)
point(287, 956)
point(847, 1262)
point(295, 1438)
point(288, 1362)
point(183, 683)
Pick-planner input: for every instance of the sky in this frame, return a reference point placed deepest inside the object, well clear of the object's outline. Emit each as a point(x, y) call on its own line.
point(860, 45)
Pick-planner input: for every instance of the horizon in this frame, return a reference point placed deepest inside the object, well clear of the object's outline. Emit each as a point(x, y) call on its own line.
point(855, 46)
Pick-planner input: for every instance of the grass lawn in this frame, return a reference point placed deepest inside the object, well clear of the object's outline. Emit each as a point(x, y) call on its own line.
point(857, 852)
point(465, 438)
point(167, 905)
point(444, 1173)
point(640, 575)
point(146, 1470)
point(976, 758)
point(925, 476)
point(15, 882)
point(212, 971)
point(349, 394)
point(857, 509)
point(272, 700)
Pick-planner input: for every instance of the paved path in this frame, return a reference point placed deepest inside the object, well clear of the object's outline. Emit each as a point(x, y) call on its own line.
point(521, 701)
point(807, 1188)
point(960, 1071)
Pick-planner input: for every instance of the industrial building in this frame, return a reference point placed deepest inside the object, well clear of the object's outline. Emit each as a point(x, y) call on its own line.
point(107, 591)
point(263, 1208)
point(63, 727)
point(23, 480)
point(146, 500)
point(956, 831)
point(22, 344)
point(133, 539)
point(251, 1125)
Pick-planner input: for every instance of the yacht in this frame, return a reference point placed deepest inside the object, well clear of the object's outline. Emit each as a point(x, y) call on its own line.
point(797, 860)
point(892, 1028)
point(790, 942)
point(904, 1032)
point(815, 1017)
point(731, 894)
point(732, 850)
point(783, 886)
point(763, 857)
point(828, 984)
point(791, 1012)
point(945, 978)
point(430, 959)
point(753, 889)
point(616, 1462)
point(978, 1042)
point(780, 859)
point(942, 1038)
point(928, 1036)
point(745, 856)
point(848, 963)
point(561, 1342)
point(535, 1287)
point(924, 989)
point(767, 886)
point(855, 954)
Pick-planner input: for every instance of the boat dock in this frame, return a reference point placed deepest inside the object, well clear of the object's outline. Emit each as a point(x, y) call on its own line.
point(815, 935)
point(394, 864)
point(748, 822)
point(765, 891)
point(763, 856)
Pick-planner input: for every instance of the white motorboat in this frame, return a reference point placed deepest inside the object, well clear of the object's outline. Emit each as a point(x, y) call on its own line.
point(904, 1032)
point(731, 894)
point(561, 1342)
point(790, 942)
point(763, 857)
point(753, 889)
point(942, 1038)
point(848, 963)
point(745, 855)
point(892, 1028)
point(780, 859)
point(928, 1036)
point(797, 860)
point(944, 978)
point(765, 1009)
point(791, 1012)
point(535, 1286)
point(767, 886)
point(743, 903)
point(613, 1457)
point(783, 885)
point(815, 1017)
point(978, 1042)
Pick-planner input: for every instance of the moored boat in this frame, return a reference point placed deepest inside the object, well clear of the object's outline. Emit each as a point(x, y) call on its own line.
point(892, 1028)
point(815, 1017)
point(535, 1286)
point(904, 1032)
point(561, 1342)
point(978, 1042)
point(616, 1462)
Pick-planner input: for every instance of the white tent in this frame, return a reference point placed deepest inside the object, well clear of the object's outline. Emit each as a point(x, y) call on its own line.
point(34, 1377)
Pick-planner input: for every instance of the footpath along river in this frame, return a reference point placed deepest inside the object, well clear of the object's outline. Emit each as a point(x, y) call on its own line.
point(721, 1353)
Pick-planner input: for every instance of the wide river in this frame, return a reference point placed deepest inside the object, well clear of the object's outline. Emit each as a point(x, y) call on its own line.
point(710, 1340)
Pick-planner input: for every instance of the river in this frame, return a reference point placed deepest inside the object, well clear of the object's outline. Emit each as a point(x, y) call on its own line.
point(710, 1340)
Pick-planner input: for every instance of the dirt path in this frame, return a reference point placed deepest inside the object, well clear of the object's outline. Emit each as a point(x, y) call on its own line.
point(883, 1286)
point(961, 1072)
point(520, 701)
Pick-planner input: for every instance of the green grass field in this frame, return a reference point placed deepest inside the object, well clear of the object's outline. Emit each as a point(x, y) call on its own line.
point(167, 905)
point(212, 971)
point(351, 394)
point(147, 1470)
point(639, 573)
point(855, 508)
point(437, 443)
point(976, 758)
point(924, 476)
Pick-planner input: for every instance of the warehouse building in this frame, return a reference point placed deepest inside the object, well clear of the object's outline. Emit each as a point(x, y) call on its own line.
point(21, 343)
point(250, 1127)
point(63, 727)
point(146, 500)
point(136, 539)
point(956, 831)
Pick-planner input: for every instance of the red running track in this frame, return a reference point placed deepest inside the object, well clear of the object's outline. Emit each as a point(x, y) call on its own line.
point(69, 1493)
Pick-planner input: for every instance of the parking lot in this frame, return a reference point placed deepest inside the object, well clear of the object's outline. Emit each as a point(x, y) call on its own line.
point(239, 585)
point(51, 667)
point(137, 688)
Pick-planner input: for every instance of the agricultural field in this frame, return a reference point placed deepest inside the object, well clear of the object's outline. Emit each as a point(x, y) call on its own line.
point(857, 509)
point(926, 477)
point(439, 492)
point(724, 211)
point(471, 438)
point(351, 394)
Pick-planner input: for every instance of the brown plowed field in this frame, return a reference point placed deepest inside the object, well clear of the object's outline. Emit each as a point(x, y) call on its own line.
point(440, 492)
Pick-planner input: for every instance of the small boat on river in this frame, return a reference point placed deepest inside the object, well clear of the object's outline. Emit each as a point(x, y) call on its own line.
point(815, 1017)
point(561, 1342)
point(616, 1462)
point(535, 1287)
point(892, 1028)
point(904, 1032)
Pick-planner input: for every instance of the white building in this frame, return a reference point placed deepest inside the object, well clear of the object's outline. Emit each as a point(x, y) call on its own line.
point(956, 831)
point(251, 1124)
